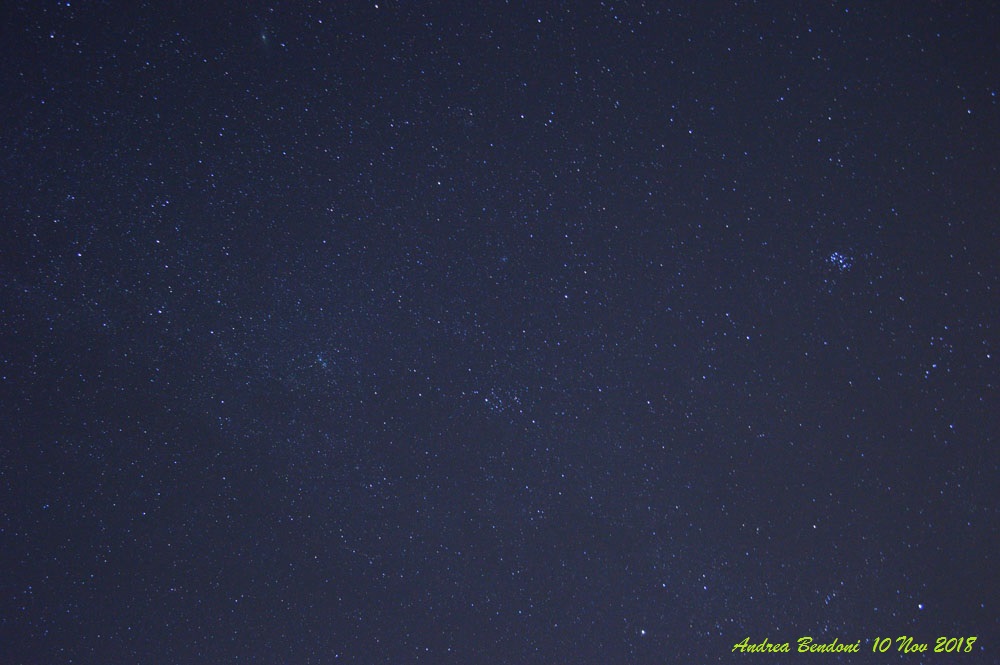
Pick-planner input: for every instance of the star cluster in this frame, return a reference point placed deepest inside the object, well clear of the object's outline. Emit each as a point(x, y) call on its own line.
point(394, 333)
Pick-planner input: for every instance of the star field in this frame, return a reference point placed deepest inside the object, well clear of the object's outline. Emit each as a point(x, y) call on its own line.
point(517, 333)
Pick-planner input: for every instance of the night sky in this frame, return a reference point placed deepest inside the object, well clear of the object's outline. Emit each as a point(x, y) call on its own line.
point(487, 333)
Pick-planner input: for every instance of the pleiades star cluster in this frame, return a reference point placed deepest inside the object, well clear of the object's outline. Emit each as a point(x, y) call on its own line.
point(500, 332)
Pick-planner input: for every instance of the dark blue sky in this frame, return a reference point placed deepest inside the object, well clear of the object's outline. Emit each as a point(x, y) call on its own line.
point(543, 333)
